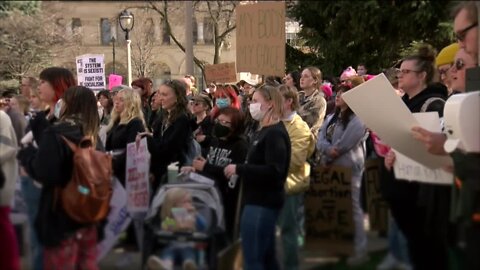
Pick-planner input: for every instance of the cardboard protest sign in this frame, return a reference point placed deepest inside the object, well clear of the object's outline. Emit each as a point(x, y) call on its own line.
point(407, 168)
point(221, 73)
point(137, 174)
point(328, 210)
point(117, 220)
point(260, 36)
point(390, 119)
point(91, 71)
point(377, 206)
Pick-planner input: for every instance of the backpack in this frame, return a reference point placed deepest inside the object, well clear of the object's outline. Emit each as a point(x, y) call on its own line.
point(86, 197)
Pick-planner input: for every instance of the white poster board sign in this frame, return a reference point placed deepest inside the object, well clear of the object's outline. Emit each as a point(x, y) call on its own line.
point(91, 71)
point(390, 119)
point(406, 168)
point(117, 220)
point(136, 178)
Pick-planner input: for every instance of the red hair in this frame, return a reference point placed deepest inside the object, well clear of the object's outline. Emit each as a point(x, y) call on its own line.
point(225, 91)
point(59, 78)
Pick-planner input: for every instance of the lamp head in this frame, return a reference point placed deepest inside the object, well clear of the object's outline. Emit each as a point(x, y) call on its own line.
point(126, 20)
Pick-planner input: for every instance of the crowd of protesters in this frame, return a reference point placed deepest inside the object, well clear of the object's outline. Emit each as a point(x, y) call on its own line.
point(266, 133)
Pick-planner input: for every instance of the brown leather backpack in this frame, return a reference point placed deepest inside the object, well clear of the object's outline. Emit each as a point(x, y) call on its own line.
point(86, 197)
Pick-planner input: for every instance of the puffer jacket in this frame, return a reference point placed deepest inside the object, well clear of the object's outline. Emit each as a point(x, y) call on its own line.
point(303, 145)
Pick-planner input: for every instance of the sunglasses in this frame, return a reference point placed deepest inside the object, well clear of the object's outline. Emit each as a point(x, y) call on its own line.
point(460, 35)
point(459, 64)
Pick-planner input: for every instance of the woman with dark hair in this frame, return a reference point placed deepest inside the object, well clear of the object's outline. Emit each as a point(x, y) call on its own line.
point(67, 243)
point(54, 81)
point(421, 210)
point(106, 102)
point(170, 135)
point(292, 79)
point(227, 146)
point(340, 143)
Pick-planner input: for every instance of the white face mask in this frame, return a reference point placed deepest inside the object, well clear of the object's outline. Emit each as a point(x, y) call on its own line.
point(256, 111)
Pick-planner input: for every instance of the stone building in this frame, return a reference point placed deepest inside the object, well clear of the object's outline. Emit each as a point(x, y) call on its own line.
point(94, 25)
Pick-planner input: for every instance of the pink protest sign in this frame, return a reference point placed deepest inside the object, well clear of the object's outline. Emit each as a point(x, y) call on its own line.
point(114, 80)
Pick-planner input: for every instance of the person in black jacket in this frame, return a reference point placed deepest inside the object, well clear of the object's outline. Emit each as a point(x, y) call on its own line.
point(421, 210)
point(125, 123)
point(263, 176)
point(228, 145)
point(67, 244)
point(170, 133)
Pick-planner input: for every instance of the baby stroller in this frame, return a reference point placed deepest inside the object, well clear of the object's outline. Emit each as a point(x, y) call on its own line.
point(207, 203)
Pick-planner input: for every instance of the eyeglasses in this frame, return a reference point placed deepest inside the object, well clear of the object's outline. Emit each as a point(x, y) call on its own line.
point(444, 71)
point(460, 35)
point(406, 71)
point(459, 64)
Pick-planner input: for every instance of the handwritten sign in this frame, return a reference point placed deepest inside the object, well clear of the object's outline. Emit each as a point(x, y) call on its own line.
point(91, 71)
point(260, 38)
point(221, 73)
point(328, 210)
point(117, 220)
point(137, 173)
point(408, 169)
point(377, 206)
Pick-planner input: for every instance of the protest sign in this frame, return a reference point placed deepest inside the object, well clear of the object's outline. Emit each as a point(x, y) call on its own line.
point(114, 80)
point(407, 168)
point(328, 210)
point(137, 174)
point(377, 206)
point(390, 119)
point(260, 37)
point(91, 71)
point(117, 220)
point(221, 73)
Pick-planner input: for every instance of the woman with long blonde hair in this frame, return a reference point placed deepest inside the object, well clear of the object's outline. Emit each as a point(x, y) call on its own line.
point(126, 121)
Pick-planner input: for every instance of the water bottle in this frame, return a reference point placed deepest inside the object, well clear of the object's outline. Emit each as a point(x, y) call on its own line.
point(172, 172)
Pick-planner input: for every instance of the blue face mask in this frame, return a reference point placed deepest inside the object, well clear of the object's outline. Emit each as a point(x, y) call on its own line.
point(222, 102)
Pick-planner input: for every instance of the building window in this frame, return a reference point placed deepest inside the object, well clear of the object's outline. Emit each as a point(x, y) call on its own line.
point(165, 35)
point(195, 30)
point(105, 31)
point(76, 26)
point(208, 32)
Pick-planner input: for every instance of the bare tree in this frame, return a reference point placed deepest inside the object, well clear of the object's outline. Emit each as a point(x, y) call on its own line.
point(27, 42)
point(142, 49)
point(222, 17)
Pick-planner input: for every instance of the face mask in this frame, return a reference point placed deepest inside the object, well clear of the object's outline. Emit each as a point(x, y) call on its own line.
point(58, 108)
point(256, 111)
point(221, 131)
point(222, 102)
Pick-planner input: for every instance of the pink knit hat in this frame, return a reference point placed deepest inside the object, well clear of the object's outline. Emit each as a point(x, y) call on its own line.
point(347, 73)
point(327, 89)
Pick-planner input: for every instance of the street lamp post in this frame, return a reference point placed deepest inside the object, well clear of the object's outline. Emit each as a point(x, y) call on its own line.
point(126, 21)
point(113, 52)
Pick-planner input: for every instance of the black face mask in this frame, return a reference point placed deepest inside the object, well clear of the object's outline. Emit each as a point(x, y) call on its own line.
point(221, 131)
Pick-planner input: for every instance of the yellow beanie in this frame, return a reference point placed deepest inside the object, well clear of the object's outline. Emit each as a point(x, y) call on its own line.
point(447, 55)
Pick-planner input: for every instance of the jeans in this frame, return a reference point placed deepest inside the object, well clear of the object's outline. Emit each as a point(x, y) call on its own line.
point(289, 225)
point(257, 230)
point(31, 196)
point(360, 238)
point(397, 243)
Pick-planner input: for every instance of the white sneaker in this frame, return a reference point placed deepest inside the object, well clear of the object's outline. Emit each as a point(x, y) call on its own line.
point(388, 263)
point(155, 263)
point(358, 259)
